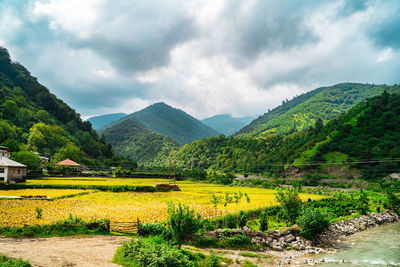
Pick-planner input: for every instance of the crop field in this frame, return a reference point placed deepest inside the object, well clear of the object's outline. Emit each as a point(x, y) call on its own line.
point(40, 192)
point(128, 206)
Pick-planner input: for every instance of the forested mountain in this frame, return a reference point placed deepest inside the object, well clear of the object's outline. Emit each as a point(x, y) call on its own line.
point(99, 122)
point(364, 140)
point(34, 120)
point(171, 122)
point(225, 123)
point(131, 139)
point(303, 111)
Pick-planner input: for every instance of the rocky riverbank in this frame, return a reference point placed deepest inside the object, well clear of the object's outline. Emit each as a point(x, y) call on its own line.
point(290, 239)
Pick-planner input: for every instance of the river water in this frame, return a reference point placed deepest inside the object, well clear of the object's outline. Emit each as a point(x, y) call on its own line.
point(378, 246)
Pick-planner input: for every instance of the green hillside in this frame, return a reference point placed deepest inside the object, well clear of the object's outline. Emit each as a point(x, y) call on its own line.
point(34, 120)
point(99, 122)
point(131, 139)
point(364, 140)
point(224, 123)
point(171, 122)
point(302, 112)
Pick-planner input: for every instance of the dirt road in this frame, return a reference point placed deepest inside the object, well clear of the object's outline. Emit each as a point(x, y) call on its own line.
point(87, 251)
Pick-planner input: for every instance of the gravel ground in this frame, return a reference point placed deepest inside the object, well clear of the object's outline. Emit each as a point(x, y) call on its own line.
point(87, 251)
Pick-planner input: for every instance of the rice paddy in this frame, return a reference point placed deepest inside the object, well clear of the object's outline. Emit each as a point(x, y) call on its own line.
point(128, 206)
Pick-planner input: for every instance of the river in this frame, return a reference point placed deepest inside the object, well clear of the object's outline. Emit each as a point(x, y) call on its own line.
point(378, 246)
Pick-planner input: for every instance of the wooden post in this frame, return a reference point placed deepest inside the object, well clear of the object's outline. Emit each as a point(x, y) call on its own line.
point(174, 171)
point(169, 172)
point(138, 226)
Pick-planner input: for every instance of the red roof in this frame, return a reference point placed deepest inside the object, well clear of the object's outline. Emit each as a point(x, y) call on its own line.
point(68, 162)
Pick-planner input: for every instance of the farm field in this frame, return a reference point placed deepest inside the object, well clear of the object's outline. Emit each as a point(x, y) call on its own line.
point(128, 206)
point(41, 192)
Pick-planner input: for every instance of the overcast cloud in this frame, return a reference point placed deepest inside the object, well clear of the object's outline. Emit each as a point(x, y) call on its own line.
point(205, 57)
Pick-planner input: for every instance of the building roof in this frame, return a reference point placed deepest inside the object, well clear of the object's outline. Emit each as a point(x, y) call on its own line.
point(6, 162)
point(4, 147)
point(68, 162)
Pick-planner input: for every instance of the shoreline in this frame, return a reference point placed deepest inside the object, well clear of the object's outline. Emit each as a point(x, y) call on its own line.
point(335, 233)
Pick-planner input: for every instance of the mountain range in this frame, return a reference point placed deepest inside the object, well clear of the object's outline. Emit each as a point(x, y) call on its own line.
point(226, 124)
point(99, 122)
point(303, 111)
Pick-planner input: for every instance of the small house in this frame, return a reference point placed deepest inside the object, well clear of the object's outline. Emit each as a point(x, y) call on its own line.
point(70, 167)
point(10, 170)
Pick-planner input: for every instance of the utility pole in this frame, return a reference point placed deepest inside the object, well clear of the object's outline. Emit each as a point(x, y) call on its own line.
point(174, 171)
point(169, 172)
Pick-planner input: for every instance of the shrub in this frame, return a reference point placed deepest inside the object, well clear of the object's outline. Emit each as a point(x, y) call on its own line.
point(290, 202)
point(242, 218)
point(182, 222)
point(205, 241)
point(230, 221)
point(150, 252)
point(392, 201)
point(313, 221)
point(154, 229)
point(6, 262)
point(362, 202)
point(263, 221)
point(235, 241)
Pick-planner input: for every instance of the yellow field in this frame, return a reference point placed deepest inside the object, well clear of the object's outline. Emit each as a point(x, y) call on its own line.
point(40, 192)
point(129, 206)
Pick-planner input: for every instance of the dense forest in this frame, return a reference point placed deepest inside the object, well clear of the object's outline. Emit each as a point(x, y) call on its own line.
point(364, 139)
point(303, 111)
point(174, 123)
point(34, 120)
point(131, 139)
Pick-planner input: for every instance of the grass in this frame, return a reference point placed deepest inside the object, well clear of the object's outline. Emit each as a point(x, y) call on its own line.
point(68, 227)
point(7, 262)
point(128, 206)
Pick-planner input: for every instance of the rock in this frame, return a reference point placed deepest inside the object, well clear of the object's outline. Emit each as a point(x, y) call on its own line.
point(289, 238)
point(275, 233)
point(277, 248)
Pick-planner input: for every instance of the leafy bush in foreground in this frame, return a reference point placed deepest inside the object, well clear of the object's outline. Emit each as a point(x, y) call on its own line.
point(182, 222)
point(152, 251)
point(313, 221)
point(290, 202)
point(6, 262)
point(67, 227)
point(154, 229)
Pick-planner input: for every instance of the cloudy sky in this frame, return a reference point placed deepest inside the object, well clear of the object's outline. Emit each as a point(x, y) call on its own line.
point(205, 57)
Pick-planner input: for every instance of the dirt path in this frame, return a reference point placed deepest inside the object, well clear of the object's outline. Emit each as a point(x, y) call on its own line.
point(87, 251)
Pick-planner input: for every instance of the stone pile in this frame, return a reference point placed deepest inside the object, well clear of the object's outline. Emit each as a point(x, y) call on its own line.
point(290, 237)
point(344, 228)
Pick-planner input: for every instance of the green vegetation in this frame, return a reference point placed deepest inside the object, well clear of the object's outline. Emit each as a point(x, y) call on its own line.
point(131, 139)
point(182, 222)
point(111, 188)
point(171, 122)
point(34, 120)
point(359, 143)
point(313, 221)
point(303, 111)
point(7, 262)
point(68, 227)
point(290, 202)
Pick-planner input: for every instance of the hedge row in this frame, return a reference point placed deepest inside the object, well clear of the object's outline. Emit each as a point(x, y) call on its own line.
point(112, 188)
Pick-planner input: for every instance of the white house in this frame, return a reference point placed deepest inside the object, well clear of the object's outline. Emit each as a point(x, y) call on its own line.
point(11, 171)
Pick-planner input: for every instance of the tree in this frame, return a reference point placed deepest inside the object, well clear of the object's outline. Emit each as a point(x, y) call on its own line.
point(30, 159)
point(313, 221)
point(392, 201)
point(290, 202)
point(182, 222)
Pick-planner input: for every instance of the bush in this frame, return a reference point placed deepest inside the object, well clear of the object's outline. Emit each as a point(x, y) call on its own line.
point(230, 221)
point(242, 218)
point(290, 202)
point(66, 227)
point(236, 241)
point(205, 241)
point(392, 201)
point(263, 221)
point(6, 262)
point(150, 252)
point(313, 221)
point(182, 222)
point(154, 229)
